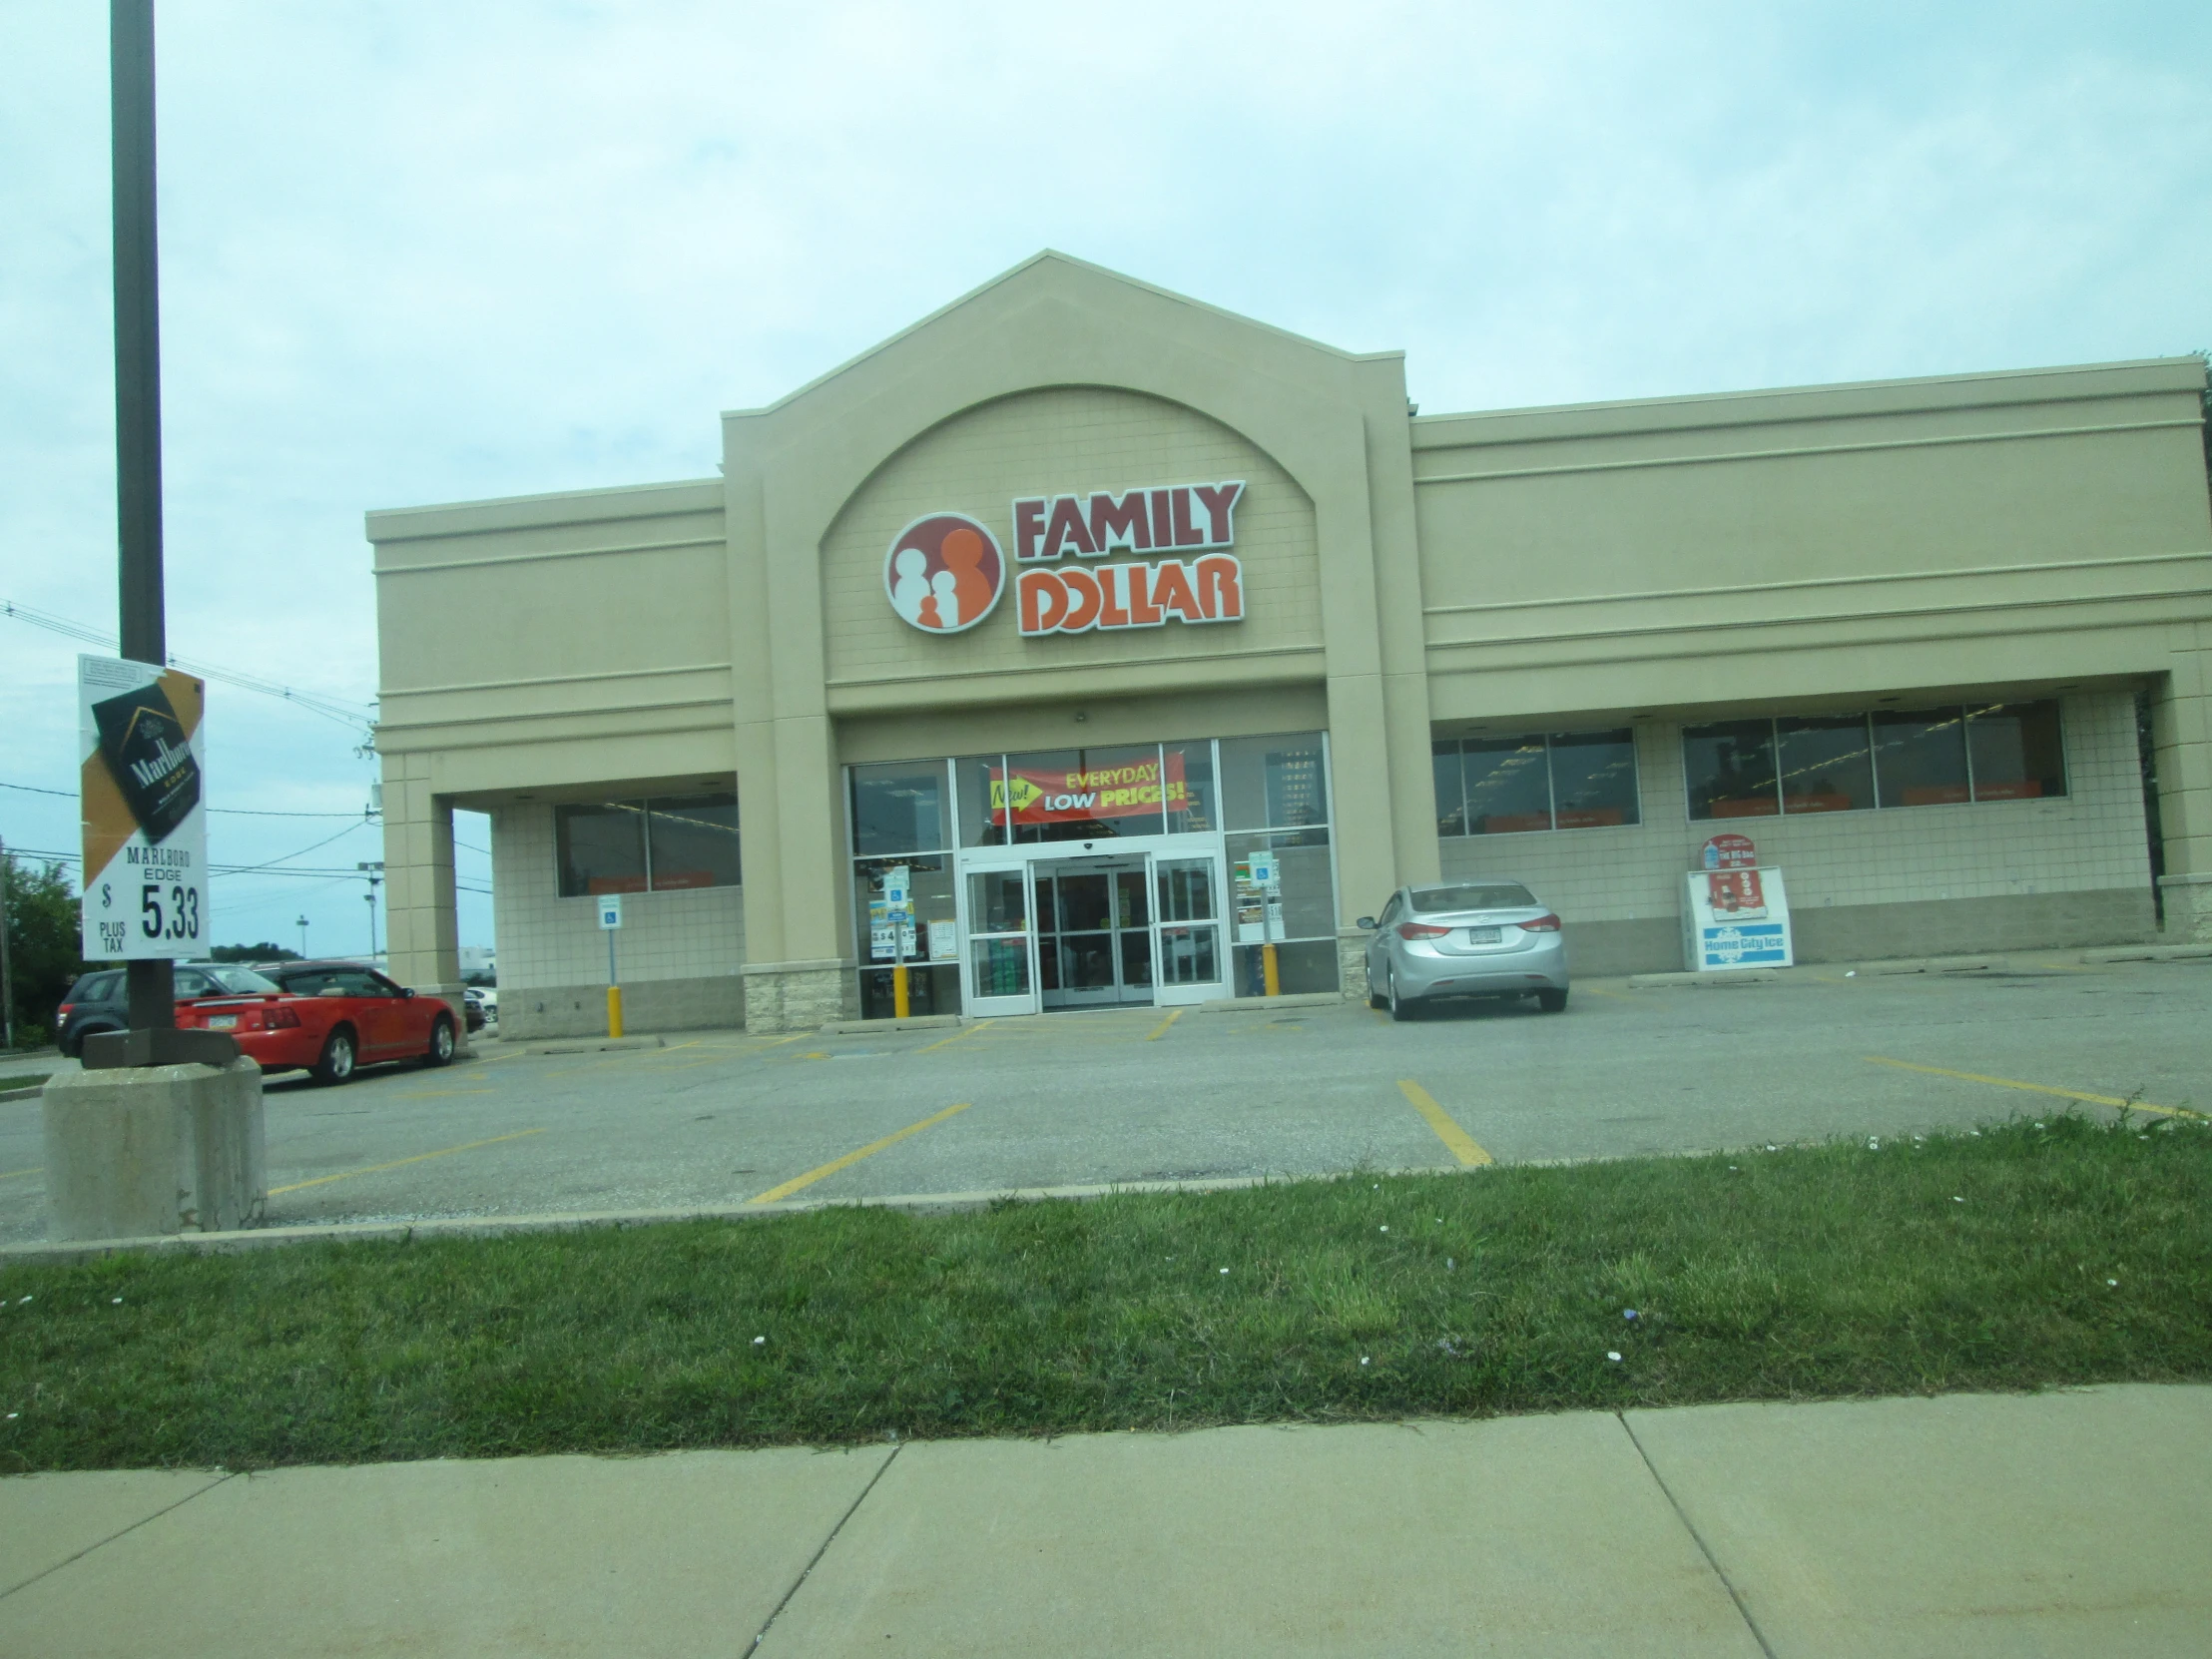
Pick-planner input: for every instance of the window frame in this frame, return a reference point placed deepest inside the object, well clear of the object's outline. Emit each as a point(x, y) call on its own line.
point(1467, 829)
point(1966, 716)
point(644, 806)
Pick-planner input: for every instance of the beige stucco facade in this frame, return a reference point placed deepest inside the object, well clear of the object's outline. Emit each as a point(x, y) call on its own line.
point(1407, 579)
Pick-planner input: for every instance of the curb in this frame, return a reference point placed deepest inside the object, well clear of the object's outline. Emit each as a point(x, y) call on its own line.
point(1712, 980)
point(912, 1022)
point(588, 1045)
point(482, 1226)
point(31, 1094)
point(2149, 954)
point(1933, 964)
point(1267, 1004)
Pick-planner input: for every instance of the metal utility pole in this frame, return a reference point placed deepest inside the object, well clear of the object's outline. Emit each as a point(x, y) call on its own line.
point(137, 397)
point(7, 979)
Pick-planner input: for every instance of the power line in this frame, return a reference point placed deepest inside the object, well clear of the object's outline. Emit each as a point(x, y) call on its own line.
point(247, 870)
point(341, 710)
point(228, 812)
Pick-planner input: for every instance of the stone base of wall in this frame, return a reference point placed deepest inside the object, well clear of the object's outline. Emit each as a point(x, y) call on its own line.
point(712, 1002)
point(1352, 963)
point(1607, 949)
point(2188, 902)
point(1958, 926)
point(1869, 932)
point(799, 996)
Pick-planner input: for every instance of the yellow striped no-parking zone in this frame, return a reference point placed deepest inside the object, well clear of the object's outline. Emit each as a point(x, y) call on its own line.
point(2035, 1088)
point(1462, 1144)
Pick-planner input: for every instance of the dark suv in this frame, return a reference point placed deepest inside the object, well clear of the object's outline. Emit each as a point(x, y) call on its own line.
point(96, 1002)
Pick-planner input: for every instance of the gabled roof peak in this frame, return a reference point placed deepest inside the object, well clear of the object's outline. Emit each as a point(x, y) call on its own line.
point(1082, 269)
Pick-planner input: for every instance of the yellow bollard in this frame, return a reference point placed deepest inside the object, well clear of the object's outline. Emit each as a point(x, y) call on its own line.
point(1271, 971)
point(900, 1002)
point(614, 1010)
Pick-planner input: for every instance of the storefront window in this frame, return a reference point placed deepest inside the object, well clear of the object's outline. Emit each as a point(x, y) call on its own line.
point(1593, 780)
point(1921, 757)
point(648, 845)
point(931, 947)
point(900, 809)
point(1730, 770)
point(1894, 758)
point(691, 842)
point(1513, 785)
point(2016, 751)
point(1509, 783)
point(971, 783)
point(1082, 794)
point(1274, 782)
point(601, 848)
point(1307, 913)
point(1451, 793)
point(1826, 764)
point(1197, 811)
point(1089, 931)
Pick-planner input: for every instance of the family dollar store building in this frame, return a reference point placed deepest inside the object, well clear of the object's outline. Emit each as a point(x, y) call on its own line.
point(1075, 596)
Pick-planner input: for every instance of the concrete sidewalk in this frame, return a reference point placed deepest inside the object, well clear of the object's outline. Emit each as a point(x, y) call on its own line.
point(2061, 1523)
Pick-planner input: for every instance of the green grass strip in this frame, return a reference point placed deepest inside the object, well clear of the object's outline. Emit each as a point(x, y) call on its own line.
point(2026, 1255)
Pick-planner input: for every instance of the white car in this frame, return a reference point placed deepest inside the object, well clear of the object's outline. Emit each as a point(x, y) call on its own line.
point(1466, 938)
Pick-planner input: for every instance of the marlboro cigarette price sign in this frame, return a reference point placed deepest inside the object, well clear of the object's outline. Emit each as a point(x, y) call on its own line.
point(145, 825)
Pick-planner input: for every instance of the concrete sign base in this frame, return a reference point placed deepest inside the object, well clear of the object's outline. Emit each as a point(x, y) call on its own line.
point(153, 1149)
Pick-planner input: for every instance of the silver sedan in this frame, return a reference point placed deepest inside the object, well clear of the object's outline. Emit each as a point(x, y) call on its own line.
point(1466, 938)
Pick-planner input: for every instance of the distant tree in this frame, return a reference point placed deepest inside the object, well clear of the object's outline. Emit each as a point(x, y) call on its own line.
point(263, 952)
point(42, 944)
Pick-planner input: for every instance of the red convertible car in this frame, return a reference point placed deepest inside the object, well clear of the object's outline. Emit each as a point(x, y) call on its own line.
point(328, 1018)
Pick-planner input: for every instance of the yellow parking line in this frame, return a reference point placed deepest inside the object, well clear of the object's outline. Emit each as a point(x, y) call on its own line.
point(396, 1162)
point(955, 1037)
point(1596, 991)
point(2035, 1088)
point(13, 1172)
point(851, 1158)
point(1161, 1030)
point(1462, 1143)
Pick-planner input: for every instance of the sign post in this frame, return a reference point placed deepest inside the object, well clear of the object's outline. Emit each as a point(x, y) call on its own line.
point(610, 918)
point(898, 911)
point(1259, 879)
point(161, 1131)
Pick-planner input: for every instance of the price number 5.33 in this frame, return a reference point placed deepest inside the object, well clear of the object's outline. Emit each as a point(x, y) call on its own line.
point(179, 920)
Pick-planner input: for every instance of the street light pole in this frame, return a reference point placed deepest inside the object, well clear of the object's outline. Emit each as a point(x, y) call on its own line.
point(375, 874)
point(138, 397)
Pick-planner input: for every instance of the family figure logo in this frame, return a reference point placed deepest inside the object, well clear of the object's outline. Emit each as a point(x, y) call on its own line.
point(945, 573)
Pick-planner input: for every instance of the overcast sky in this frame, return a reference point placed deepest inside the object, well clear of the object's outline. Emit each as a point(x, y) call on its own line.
point(422, 251)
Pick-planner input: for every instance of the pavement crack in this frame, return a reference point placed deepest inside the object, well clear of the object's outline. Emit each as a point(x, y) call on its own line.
point(1720, 1572)
point(777, 1611)
point(102, 1543)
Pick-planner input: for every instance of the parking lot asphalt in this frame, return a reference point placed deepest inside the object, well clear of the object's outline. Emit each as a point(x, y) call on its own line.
point(717, 1119)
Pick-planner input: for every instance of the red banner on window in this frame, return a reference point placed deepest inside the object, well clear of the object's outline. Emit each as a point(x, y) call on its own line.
point(1134, 789)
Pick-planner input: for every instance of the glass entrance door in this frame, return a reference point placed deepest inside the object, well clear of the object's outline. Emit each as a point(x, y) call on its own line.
point(1094, 933)
point(1187, 928)
point(1001, 969)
